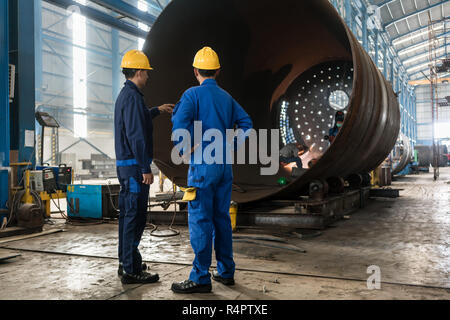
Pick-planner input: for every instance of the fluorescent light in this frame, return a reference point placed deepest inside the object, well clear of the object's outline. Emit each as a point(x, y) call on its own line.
point(417, 67)
point(421, 56)
point(426, 44)
point(410, 37)
point(79, 72)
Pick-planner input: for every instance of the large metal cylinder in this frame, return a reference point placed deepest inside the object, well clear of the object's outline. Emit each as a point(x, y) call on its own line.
point(291, 64)
point(401, 154)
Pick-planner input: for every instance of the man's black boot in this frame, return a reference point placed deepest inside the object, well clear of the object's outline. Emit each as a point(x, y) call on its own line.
point(120, 270)
point(143, 277)
point(189, 286)
point(226, 281)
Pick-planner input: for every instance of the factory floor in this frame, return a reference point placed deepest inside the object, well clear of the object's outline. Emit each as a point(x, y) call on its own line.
point(407, 238)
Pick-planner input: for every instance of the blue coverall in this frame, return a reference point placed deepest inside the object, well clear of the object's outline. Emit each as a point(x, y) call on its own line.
point(133, 132)
point(209, 218)
point(333, 131)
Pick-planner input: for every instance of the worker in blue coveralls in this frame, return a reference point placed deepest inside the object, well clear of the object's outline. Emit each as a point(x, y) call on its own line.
point(339, 121)
point(209, 218)
point(133, 132)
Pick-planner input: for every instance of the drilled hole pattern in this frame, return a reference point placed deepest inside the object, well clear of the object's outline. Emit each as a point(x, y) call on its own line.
point(308, 108)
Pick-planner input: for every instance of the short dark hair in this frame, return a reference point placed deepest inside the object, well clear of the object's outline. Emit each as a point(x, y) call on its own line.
point(207, 73)
point(129, 73)
point(339, 116)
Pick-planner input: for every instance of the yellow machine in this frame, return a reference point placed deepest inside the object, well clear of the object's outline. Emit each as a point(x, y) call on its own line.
point(381, 176)
point(45, 197)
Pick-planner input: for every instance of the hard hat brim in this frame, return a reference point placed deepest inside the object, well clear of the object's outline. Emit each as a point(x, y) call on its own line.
point(205, 68)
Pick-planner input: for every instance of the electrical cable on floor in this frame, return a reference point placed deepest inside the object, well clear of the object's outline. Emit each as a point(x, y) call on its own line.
point(154, 227)
point(174, 231)
point(86, 222)
point(110, 197)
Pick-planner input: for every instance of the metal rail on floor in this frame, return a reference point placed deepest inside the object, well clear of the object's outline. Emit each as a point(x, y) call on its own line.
point(237, 268)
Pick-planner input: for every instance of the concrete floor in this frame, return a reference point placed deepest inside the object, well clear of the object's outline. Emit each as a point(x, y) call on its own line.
point(407, 238)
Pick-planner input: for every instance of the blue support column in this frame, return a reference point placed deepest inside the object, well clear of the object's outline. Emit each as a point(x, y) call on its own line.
point(376, 46)
point(365, 38)
point(38, 57)
point(391, 78)
point(348, 13)
point(395, 75)
point(415, 117)
point(411, 119)
point(4, 104)
point(22, 46)
point(116, 61)
point(402, 102)
point(407, 115)
point(38, 47)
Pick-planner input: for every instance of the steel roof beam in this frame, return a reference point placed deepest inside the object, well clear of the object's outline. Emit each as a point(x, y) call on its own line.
point(421, 42)
point(424, 68)
point(422, 54)
point(415, 30)
point(101, 17)
point(127, 10)
point(413, 14)
point(386, 2)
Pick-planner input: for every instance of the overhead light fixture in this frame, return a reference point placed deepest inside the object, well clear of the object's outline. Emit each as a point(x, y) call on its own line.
point(421, 56)
point(418, 66)
point(411, 37)
point(426, 44)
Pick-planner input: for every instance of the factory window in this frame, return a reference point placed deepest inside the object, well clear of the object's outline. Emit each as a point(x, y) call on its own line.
point(79, 73)
point(80, 81)
point(442, 130)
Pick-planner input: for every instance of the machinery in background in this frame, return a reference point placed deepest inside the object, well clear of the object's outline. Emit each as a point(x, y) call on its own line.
point(31, 201)
point(93, 201)
point(99, 166)
point(43, 180)
point(443, 155)
point(425, 157)
point(63, 176)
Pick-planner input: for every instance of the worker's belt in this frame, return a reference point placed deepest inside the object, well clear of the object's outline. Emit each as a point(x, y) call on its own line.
point(126, 163)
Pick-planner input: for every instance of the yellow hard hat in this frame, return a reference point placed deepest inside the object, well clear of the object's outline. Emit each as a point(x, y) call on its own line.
point(135, 59)
point(206, 59)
